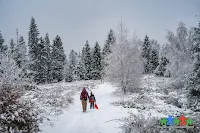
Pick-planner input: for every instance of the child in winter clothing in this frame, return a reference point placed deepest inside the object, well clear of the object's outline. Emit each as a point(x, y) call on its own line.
point(92, 100)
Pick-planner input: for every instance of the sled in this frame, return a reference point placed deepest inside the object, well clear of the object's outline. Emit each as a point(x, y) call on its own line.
point(95, 105)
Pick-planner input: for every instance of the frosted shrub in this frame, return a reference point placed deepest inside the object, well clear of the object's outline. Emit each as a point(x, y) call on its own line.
point(16, 113)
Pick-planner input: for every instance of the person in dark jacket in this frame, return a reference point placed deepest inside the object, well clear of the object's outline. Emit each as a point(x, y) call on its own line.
point(83, 97)
point(92, 100)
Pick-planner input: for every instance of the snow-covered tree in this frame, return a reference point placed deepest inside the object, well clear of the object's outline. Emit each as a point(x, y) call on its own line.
point(9, 71)
point(72, 72)
point(83, 54)
point(58, 59)
point(21, 53)
point(81, 71)
point(160, 70)
point(41, 62)
point(178, 51)
point(48, 57)
point(3, 47)
point(124, 62)
point(110, 41)
point(193, 81)
point(1, 42)
point(154, 62)
point(12, 46)
point(96, 62)
point(80, 67)
point(32, 43)
point(146, 54)
point(154, 56)
point(88, 60)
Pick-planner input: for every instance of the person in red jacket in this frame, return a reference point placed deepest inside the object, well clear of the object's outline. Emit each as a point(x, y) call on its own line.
point(83, 97)
point(92, 100)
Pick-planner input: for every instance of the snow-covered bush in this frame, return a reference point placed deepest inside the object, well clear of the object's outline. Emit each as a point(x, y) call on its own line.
point(124, 63)
point(140, 124)
point(173, 101)
point(16, 113)
point(175, 85)
point(137, 90)
point(143, 99)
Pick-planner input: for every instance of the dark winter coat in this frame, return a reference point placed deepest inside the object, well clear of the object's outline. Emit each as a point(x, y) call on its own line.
point(84, 95)
point(92, 98)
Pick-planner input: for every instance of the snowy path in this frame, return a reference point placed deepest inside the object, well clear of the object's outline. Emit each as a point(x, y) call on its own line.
point(93, 121)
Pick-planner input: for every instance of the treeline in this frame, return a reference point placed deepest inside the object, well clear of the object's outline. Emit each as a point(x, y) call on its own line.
point(89, 64)
point(40, 61)
point(43, 62)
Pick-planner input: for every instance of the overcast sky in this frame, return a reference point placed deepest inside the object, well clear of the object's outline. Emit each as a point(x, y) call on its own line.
point(77, 21)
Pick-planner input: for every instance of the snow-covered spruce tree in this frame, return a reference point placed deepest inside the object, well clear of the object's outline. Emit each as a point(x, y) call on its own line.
point(178, 51)
point(154, 62)
point(96, 62)
point(58, 59)
point(68, 72)
point(146, 54)
point(110, 41)
point(83, 55)
point(160, 70)
point(154, 56)
point(3, 48)
point(81, 71)
point(124, 62)
point(1, 42)
point(21, 53)
point(72, 72)
point(17, 114)
point(32, 43)
point(48, 57)
point(88, 61)
point(193, 82)
point(20, 56)
point(41, 62)
point(75, 71)
point(12, 47)
point(79, 55)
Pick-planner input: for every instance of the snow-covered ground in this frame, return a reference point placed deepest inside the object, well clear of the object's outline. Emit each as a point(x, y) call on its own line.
point(103, 120)
point(150, 101)
point(52, 99)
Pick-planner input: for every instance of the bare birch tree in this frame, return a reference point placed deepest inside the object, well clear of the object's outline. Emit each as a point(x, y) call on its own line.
point(124, 63)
